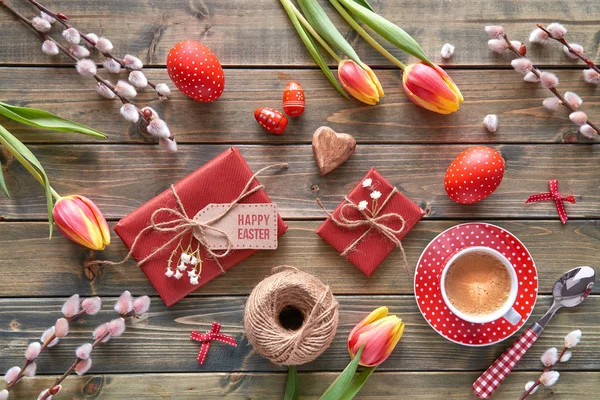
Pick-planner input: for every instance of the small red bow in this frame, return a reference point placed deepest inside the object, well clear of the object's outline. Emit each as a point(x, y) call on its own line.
point(209, 336)
point(557, 197)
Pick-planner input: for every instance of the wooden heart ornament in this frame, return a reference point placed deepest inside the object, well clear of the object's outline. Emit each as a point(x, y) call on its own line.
point(331, 149)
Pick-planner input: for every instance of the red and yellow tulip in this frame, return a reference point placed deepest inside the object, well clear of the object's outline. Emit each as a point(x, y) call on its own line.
point(430, 87)
point(379, 333)
point(80, 220)
point(360, 82)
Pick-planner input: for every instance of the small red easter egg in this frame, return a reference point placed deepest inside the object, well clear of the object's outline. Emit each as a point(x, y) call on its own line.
point(293, 99)
point(196, 71)
point(474, 174)
point(270, 119)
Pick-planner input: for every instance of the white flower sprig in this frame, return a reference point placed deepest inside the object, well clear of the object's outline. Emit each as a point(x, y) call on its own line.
point(556, 31)
point(374, 195)
point(148, 122)
point(500, 43)
point(189, 260)
point(550, 359)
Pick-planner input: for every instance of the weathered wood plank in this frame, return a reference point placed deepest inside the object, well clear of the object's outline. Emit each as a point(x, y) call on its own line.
point(248, 386)
point(396, 120)
point(160, 341)
point(259, 32)
point(120, 178)
point(60, 264)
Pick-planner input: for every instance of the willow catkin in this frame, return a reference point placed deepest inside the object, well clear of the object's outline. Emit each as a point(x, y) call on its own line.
point(290, 288)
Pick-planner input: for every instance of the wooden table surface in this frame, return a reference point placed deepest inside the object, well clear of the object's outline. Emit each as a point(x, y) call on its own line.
point(155, 359)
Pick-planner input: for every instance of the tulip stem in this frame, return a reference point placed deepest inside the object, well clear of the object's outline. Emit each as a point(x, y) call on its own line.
point(311, 30)
point(365, 35)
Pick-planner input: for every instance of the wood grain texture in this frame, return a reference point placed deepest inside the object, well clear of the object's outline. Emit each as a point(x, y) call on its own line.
point(259, 33)
point(61, 265)
point(121, 178)
point(230, 120)
point(160, 342)
point(254, 386)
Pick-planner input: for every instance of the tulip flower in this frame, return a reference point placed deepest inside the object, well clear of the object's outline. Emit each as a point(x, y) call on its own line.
point(361, 83)
point(80, 220)
point(430, 87)
point(379, 333)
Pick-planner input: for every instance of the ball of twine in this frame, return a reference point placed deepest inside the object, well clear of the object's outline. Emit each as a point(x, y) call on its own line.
point(289, 288)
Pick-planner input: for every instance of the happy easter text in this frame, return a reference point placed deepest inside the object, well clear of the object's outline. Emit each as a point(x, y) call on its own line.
point(253, 227)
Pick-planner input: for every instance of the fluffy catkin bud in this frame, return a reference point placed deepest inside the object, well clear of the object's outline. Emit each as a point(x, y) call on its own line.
point(112, 65)
point(552, 103)
point(138, 79)
point(531, 77)
point(491, 123)
point(125, 89)
point(522, 65)
point(104, 45)
point(79, 51)
point(577, 48)
point(50, 48)
point(93, 37)
point(86, 67)
point(33, 351)
point(573, 99)
point(83, 367)
point(578, 117)
point(163, 90)
point(71, 35)
point(591, 76)
point(556, 30)
point(47, 17)
point(497, 45)
point(40, 24)
point(158, 128)
point(587, 131)
point(548, 80)
point(104, 91)
point(92, 305)
point(133, 62)
point(169, 144)
point(538, 36)
point(447, 51)
point(130, 112)
point(494, 31)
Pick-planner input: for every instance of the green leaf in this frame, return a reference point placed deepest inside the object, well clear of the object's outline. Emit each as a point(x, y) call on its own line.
point(45, 120)
point(386, 29)
point(357, 383)
point(365, 4)
point(3, 183)
point(312, 49)
point(319, 20)
point(291, 388)
point(31, 163)
point(337, 388)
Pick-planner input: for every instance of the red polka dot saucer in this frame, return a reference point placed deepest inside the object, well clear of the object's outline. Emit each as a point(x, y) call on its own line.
point(427, 283)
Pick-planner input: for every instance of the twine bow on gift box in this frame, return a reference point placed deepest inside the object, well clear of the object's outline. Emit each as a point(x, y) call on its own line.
point(182, 225)
point(372, 220)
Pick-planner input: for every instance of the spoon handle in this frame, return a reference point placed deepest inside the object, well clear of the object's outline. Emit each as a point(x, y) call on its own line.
point(489, 381)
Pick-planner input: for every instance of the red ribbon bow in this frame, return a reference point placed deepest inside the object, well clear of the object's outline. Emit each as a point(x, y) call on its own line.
point(209, 336)
point(556, 196)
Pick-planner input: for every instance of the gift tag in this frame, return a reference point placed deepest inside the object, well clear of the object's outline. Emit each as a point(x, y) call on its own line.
point(249, 226)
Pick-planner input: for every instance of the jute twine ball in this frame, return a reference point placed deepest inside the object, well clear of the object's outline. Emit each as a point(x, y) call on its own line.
point(291, 317)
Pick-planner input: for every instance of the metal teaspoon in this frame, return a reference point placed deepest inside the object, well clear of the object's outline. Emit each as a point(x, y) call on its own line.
point(568, 291)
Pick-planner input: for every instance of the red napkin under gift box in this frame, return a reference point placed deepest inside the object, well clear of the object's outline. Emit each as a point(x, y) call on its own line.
point(371, 250)
point(220, 180)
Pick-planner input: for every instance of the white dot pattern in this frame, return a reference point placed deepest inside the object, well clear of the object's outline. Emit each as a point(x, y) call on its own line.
point(293, 99)
point(429, 270)
point(196, 71)
point(474, 175)
point(270, 119)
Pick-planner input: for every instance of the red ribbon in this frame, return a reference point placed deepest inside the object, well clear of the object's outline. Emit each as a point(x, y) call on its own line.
point(559, 200)
point(209, 336)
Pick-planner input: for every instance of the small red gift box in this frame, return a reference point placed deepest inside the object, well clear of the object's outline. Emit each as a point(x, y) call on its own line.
point(220, 180)
point(368, 252)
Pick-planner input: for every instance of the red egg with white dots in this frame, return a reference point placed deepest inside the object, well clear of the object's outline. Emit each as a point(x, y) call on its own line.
point(196, 71)
point(293, 99)
point(270, 119)
point(474, 175)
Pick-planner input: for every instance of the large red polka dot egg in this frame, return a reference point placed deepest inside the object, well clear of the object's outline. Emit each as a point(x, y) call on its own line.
point(196, 71)
point(474, 175)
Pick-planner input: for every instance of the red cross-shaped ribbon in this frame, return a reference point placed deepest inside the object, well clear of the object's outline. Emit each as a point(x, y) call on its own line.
point(557, 197)
point(209, 336)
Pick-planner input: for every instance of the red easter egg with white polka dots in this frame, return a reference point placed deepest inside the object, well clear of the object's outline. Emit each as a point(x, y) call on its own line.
point(428, 277)
point(293, 99)
point(270, 119)
point(474, 175)
point(196, 71)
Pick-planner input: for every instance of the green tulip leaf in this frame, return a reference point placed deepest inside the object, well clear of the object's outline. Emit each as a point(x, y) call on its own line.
point(365, 4)
point(312, 49)
point(357, 383)
point(386, 29)
point(3, 183)
point(31, 163)
point(291, 388)
point(46, 120)
point(319, 20)
point(338, 387)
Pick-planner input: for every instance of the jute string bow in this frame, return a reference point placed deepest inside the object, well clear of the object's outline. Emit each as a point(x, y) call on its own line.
point(373, 221)
point(181, 225)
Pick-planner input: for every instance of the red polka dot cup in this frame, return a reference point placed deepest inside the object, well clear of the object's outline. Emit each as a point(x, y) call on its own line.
point(506, 310)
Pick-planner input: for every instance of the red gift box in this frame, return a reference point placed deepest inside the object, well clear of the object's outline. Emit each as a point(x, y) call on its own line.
point(370, 251)
point(220, 180)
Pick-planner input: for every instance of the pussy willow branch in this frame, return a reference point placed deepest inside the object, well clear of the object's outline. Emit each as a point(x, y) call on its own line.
point(546, 369)
point(564, 42)
point(66, 51)
point(536, 71)
point(72, 367)
point(62, 19)
point(21, 374)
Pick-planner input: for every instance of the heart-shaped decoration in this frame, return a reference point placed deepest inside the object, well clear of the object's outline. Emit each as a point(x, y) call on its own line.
point(331, 149)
